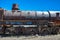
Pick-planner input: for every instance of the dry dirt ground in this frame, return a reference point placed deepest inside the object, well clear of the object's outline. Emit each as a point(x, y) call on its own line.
point(36, 37)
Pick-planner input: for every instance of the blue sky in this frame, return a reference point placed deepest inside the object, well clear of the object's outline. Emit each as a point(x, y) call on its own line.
point(32, 4)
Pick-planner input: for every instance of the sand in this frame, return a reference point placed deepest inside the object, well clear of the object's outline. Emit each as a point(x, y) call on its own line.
point(36, 37)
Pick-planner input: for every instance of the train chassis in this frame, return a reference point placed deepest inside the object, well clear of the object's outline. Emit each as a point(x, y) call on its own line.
point(41, 30)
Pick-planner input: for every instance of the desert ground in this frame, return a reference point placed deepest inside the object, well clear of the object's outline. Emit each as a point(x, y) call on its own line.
point(36, 37)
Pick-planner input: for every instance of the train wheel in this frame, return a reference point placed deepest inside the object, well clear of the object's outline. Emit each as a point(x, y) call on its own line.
point(45, 32)
point(33, 32)
point(59, 31)
point(55, 30)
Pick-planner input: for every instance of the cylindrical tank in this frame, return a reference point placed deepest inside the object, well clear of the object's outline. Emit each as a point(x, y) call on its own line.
point(32, 14)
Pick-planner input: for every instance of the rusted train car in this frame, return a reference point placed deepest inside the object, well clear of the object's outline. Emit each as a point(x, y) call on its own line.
point(16, 21)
